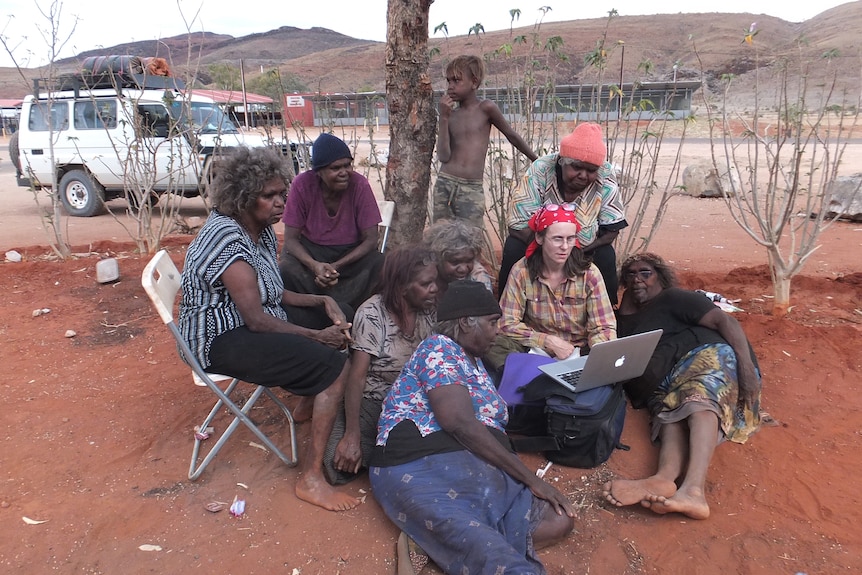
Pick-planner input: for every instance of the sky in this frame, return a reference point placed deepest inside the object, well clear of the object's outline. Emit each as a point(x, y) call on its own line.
point(99, 23)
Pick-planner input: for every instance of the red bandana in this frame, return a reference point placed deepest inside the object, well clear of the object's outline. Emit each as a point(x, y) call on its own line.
point(551, 214)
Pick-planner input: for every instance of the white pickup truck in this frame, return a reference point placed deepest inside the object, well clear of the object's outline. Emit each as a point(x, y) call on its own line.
point(103, 133)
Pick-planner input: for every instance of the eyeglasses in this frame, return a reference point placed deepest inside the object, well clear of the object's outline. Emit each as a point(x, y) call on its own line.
point(644, 275)
point(578, 165)
point(560, 241)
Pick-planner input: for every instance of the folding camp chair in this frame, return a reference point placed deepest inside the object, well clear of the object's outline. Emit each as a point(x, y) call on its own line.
point(387, 210)
point(161, 281)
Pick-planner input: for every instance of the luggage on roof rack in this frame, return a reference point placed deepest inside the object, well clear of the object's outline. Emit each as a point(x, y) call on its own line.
point(117, 71)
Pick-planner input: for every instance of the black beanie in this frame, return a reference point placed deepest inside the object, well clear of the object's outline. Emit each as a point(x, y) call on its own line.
point(464, 298)
point(327, 149)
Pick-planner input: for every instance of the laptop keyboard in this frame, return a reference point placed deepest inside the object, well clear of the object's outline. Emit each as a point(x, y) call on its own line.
point(572, 377)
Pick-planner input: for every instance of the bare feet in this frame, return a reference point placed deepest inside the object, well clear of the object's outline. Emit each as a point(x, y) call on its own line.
point(303, 409)
point(621, 492)
point(688, 502)
point(318, 492)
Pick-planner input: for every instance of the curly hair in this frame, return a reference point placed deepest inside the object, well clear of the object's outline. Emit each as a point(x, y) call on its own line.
point(241, 176)
point(447, 237)
point(666, 275)
point(577, 263)
point(400, 268)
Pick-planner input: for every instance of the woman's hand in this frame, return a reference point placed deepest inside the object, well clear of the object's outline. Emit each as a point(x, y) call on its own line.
point(731, 331)
point(348, 456)
point(348, 452)
point(549, 493)
point(333, 311)
point(337, 336)
point(558, 347)
point(325, 275)
point(749, 383)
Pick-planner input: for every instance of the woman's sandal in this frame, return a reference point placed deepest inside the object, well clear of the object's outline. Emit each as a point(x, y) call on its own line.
point(412, 559)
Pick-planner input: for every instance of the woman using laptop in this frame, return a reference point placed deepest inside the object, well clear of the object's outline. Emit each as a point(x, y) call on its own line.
point(555, 298)
point(702, 386)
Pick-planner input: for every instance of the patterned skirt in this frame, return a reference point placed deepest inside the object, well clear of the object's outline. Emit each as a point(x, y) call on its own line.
point(466, 514)
point(705, 379)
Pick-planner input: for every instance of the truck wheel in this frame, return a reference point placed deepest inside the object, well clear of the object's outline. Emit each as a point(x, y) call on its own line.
point(13, 155)
point(207, 178)
point(81, 195)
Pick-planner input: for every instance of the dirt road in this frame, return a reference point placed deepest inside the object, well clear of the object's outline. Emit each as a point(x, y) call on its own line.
point(699, 232)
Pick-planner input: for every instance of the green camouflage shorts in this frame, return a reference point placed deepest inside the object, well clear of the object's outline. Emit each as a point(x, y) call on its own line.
point(459, 198)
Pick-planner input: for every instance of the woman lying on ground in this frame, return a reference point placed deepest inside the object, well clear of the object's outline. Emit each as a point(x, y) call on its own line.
point(702, 386)
point(386, 330)
point(443, 470)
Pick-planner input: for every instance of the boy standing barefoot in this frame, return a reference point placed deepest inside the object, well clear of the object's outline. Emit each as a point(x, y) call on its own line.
point(462, 143)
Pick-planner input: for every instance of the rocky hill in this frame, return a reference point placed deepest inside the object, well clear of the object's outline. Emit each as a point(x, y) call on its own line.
point(268, 49)
point(636, 48)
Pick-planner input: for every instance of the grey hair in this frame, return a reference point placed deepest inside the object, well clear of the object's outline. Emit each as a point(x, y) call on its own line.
point(451, 328)
point(446, 237)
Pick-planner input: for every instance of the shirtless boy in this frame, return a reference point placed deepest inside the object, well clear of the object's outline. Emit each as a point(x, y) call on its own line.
point(462, 143)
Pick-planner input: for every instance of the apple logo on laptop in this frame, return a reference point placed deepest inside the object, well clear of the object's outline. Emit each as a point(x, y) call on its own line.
point(619, 362)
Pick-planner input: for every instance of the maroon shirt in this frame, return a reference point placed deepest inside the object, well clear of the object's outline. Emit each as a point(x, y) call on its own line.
point(306, 211)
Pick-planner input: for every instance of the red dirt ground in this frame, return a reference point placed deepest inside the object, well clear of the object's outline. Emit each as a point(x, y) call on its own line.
point(96, 433)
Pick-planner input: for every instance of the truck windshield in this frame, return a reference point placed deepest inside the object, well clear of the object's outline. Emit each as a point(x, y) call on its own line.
point(205, 117)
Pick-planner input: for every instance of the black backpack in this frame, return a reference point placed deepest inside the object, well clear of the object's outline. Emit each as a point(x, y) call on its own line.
point(580, 429)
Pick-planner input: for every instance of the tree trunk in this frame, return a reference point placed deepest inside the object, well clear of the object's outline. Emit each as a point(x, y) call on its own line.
point(59, 240)
point(780, 284)
point(412, 118)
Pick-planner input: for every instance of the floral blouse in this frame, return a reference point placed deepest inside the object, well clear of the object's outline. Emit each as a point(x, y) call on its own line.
point(439, 361)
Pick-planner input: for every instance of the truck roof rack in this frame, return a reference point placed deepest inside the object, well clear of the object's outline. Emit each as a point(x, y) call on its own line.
point(115, 72)
point(76, 83)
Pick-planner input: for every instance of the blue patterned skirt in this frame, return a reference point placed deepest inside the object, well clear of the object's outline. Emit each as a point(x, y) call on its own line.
point(469, 516)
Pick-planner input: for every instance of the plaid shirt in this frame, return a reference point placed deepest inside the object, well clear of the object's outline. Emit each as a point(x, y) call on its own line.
point(578, 310)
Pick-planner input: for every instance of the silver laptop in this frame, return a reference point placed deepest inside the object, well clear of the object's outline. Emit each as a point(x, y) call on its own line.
point(608, 362)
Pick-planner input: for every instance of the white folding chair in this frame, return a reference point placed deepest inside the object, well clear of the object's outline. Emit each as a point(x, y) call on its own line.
point(387, 210)
point(161, 281)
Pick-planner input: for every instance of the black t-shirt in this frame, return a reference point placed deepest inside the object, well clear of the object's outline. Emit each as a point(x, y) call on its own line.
point(677, 312)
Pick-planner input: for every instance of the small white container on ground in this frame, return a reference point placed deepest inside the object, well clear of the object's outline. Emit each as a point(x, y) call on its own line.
point(107, 271)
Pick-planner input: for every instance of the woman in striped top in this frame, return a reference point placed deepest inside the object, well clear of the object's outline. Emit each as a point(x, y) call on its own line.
point(232, 309)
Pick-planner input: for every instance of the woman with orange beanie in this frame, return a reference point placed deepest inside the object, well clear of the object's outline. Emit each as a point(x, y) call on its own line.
point(580, 176)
